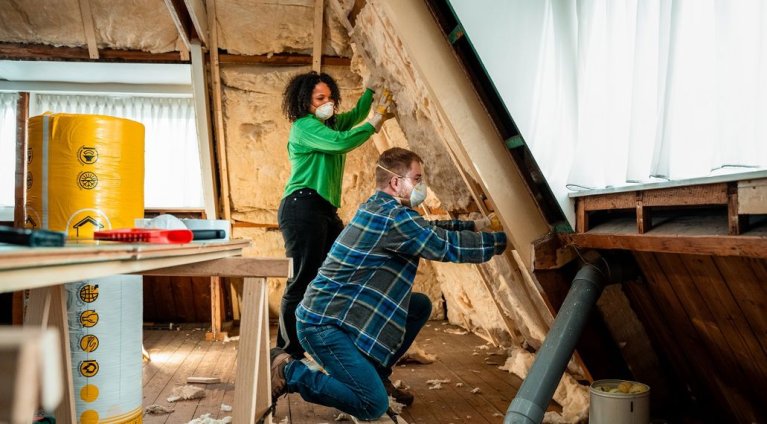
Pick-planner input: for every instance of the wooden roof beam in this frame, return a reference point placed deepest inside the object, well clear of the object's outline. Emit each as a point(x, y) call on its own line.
point(184, 26)
point(90, 33)
point(281, 59)
point(199, 18)
point(319, 8)
point(17, 51)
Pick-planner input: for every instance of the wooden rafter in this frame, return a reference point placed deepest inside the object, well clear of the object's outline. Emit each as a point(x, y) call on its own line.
point(199, 18)
point(22, 113)
point(18, 51)
point(319, 7)
point(183, 22)
point(90, 33)
point(281, 59)
point(218, 112)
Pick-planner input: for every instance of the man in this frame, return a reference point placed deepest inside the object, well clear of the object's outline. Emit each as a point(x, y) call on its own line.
point(359, 315)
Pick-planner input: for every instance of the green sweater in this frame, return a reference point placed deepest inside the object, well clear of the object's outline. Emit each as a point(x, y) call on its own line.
point(317, 153)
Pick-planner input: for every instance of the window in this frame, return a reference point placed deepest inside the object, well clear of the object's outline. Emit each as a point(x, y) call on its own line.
point(7, 154)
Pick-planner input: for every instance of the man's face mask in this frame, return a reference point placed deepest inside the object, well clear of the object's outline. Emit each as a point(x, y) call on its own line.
point(416, 194)
point(324, 111)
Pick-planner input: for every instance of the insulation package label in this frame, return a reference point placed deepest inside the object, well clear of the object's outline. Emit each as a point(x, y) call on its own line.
point(105, 336)
point(86, 173)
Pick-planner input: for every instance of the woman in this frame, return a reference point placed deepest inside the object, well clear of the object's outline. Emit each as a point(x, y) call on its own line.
point(317, 146)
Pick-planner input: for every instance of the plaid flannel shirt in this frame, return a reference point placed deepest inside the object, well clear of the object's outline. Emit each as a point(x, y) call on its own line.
point(364, 285)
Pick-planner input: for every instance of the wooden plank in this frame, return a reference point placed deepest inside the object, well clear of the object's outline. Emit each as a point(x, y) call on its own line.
point(705, 194)
point(48, 309)
point(246, 224)
point(181, 19)
point(231, 267)
point(743, 345)
point(252, 394)
point(199, 17)
point(216, 309)
point(753, 247)
point(673, 316)
point(204, 135)
point(24, 51)
point(625, 200)
point(581, 216)
point(745, 279)
point(752, 196)
point(644, 216)
point(286, 59)
point(218, 113)
point(88, 28)
point(710, 337)
point(319, 7)
point(736, 223)
point(22, 161)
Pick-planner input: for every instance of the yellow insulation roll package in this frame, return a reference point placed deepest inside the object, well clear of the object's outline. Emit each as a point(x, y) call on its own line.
point(86, 173)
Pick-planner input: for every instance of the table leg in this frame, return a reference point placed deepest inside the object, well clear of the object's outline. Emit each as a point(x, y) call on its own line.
point(47, 306)
point(252, 385)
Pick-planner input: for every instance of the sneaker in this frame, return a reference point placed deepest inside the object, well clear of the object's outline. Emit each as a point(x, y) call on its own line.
point(401, 395)
point(278, 360)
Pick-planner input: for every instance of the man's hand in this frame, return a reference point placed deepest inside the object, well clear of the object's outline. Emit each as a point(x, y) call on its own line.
point(489, 223)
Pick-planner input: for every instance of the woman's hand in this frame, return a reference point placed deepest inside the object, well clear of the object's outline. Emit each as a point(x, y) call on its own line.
point(385, 109)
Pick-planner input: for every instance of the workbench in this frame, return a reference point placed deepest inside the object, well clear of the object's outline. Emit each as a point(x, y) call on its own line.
point(44, 271)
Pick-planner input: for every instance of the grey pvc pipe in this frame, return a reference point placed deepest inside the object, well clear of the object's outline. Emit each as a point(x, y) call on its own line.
point(551, 360)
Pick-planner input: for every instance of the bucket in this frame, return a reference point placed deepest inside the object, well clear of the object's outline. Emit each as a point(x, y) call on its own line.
point(619, 402)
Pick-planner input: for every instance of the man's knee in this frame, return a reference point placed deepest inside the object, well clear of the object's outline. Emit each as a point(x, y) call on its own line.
point(376, 406)
point(420, 304)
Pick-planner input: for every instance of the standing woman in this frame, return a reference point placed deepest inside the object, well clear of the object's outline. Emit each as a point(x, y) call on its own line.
point(317, 146)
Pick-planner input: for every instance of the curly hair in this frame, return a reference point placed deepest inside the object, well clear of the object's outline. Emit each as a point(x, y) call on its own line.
point(297, 98)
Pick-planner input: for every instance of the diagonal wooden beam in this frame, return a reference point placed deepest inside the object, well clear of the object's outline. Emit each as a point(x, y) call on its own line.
point(319, 8)
point(199, 18)
point(183, 21)
point(90, 33)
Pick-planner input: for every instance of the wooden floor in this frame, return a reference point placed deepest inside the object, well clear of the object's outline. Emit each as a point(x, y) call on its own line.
point(177, 355)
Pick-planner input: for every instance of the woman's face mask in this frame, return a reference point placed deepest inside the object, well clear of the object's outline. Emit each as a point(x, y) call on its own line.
point(324, 111)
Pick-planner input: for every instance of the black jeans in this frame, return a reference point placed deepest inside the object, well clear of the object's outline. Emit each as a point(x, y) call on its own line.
point(309, 226)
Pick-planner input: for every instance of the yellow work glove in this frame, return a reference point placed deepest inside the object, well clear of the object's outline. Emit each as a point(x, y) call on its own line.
point(383, 110)
point(489, 223)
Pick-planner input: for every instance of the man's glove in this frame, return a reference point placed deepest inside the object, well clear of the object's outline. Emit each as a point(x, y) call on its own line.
point(489, 223)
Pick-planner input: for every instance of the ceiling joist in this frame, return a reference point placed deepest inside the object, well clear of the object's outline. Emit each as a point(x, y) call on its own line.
point(319, 7)
point(17, 51)
point(281, 59)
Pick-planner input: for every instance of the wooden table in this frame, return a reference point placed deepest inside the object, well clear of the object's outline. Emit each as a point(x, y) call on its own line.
point(44, 271)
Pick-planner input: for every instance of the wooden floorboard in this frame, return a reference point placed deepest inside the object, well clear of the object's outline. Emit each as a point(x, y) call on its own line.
point(460, 358)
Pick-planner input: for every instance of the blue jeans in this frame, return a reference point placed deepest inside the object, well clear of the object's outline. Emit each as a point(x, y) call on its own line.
point(355, 381)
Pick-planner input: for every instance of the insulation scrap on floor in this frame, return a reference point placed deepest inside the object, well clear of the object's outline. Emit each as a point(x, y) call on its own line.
point(206, 419)
point(186, 393)
point(436, 384)
point(156, 409)
point(418, 355)
point(226, 408)
point(456, 331)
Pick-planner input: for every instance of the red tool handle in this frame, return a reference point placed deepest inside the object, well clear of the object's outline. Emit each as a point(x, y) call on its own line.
point(145, 235)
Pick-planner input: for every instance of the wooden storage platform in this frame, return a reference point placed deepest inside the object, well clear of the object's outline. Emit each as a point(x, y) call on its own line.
point(179, 354)
point(740, 198)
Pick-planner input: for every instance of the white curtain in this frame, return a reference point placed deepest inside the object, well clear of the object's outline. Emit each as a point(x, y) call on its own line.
point(7, 154)
point(611, 92)
point(172, 160)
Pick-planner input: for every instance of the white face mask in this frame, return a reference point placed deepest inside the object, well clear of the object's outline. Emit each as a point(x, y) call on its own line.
point(418, 195)
point(324, 111)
